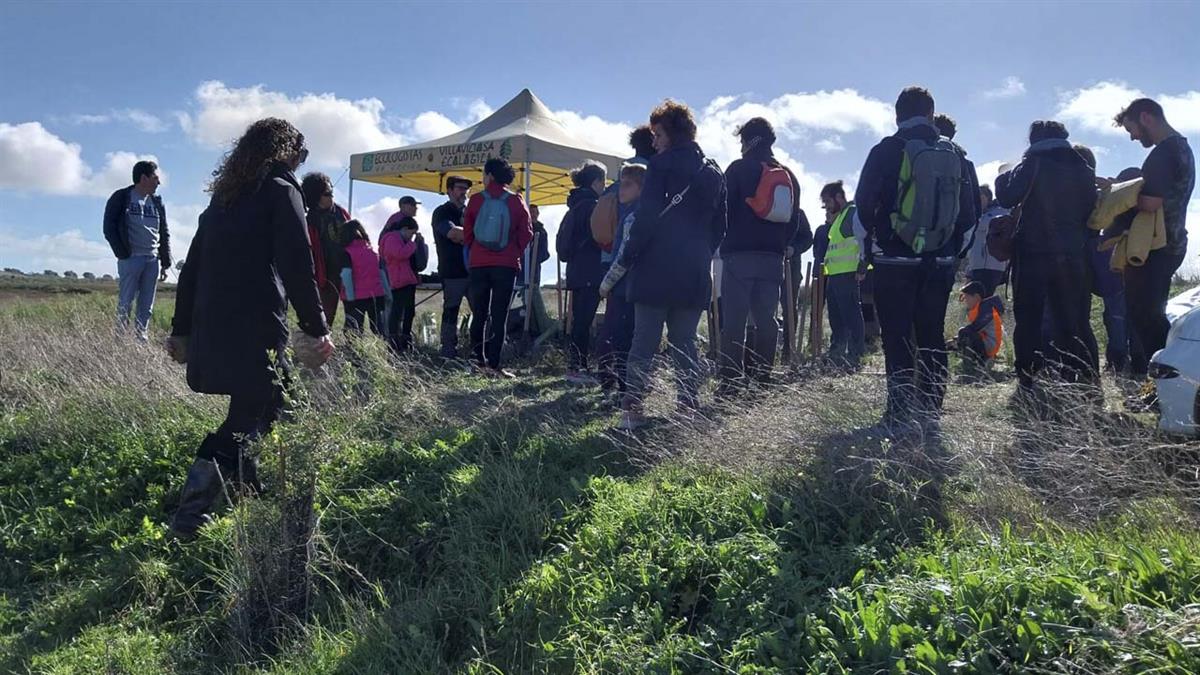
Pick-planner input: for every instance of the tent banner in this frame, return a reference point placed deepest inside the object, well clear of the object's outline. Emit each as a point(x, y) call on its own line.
point(438, 159)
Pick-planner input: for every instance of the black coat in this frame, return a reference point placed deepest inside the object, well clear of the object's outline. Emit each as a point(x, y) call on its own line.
point(579, 250)
point(747, 232)
point(669, 256)
point(116, 227)
point(1055, 212)
point(876, 196)
point(245, 264)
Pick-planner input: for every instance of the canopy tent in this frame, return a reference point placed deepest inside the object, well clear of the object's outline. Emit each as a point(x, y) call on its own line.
point(523, 131)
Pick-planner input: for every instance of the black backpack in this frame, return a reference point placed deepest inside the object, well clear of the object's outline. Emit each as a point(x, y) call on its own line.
point(420, 257)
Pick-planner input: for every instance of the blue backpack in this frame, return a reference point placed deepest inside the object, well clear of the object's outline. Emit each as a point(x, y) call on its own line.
point(493, 223)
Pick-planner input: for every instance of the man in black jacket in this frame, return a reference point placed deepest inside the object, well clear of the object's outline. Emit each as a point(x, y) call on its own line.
point(135, 225)
point(1056, 190)
point(752, 257)
point(577, 248)
point(912, 287)
point(452, 264)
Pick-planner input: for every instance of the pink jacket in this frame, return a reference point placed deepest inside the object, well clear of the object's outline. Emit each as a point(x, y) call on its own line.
point(364, 265)
point(397, 253)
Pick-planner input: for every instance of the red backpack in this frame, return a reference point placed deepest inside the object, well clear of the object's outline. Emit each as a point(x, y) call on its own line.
point(775, 198)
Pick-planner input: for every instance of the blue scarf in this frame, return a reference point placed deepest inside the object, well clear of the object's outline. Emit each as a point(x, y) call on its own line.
point(916, 122)
point(1048, 144)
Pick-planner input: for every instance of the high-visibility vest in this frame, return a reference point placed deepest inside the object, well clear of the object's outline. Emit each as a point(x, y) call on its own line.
point(843, 253)
point(992, 333)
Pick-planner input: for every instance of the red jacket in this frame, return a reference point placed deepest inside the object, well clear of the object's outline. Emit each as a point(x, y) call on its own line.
point(518, 238)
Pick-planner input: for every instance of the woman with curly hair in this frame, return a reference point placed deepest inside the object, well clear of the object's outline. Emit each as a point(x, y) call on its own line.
point(679, 223)
point(249, 259)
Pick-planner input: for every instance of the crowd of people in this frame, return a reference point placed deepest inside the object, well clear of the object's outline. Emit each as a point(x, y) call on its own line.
point(650, 244)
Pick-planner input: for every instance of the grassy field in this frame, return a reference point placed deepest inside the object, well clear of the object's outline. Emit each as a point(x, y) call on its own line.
point(446, 523)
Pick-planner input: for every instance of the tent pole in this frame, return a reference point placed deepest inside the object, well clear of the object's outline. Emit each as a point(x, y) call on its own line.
point(350, 208)
point(530, 251)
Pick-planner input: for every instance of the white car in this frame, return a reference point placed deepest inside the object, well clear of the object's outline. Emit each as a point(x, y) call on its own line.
point(1176, 367)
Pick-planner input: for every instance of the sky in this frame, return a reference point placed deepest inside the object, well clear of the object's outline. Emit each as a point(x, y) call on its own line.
point(89, 88)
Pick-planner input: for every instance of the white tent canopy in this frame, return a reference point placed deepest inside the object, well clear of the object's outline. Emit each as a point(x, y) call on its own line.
point(523, 131)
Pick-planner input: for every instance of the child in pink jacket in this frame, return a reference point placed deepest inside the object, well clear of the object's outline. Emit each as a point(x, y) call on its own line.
point(398, 246)
point(362, 284)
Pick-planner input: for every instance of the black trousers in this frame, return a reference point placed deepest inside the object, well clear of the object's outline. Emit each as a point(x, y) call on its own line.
point(911, 300)
point(400, 318)
point(252, 413)
point(584, 303)
point(1147, 289)
point(370, 309)
point(1057, 287)
point(490, 292)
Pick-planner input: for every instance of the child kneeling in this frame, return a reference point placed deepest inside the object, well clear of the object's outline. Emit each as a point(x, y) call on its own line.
point(980, 340)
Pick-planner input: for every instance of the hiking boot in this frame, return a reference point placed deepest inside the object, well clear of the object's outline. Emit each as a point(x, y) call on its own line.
point(200, 489)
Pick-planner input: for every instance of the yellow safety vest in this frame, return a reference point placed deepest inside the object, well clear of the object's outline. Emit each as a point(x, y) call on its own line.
point(843, 253)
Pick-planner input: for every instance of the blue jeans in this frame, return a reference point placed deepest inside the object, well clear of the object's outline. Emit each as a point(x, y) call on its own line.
point(137, 277)
point(844, 303)
point(749, 291)
point(1116, 352)
point(648, 324)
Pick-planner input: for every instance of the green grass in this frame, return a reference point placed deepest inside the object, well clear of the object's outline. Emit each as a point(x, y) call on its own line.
point(474, 526)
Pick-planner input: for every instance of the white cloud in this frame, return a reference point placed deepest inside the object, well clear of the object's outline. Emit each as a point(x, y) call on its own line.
point(333, 127)
point(432, 124)
point(795, 116)
point(35, 160)
point(988, 171)
point(69, 250)
point(32, 158)
point(1093, 108)
point(1011, 88)
point(831, 144)
point(141, 119)
point(604, 135)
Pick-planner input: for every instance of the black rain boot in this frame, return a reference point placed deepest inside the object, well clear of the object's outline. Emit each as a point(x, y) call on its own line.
point(201, 488)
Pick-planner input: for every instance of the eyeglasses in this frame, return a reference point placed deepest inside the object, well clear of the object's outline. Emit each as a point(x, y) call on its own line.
point(326, 194)
point(303, 155)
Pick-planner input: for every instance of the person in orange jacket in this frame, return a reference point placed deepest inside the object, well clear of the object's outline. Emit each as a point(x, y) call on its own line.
point(980, 340)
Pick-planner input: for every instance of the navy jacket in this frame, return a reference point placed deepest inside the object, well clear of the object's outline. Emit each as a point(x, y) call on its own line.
point(1055, 213)
point(803, 239)
point(876, 197)
point(580, 251)
point(669, 255)
point(246, 263)
point(116, 227)
point(820, 244)
point(747, 232)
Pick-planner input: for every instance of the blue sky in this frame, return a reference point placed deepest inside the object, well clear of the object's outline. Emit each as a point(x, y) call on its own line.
point(89, 87)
